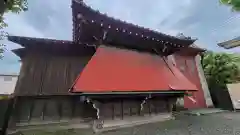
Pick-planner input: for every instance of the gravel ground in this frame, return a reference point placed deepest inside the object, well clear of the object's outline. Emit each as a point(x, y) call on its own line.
point(227, 123)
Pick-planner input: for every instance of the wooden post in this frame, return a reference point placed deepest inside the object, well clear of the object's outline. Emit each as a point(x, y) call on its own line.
point(139, 108)
point(155, 103)
point(10, 104)
point(44, 109)
point(168, 105)
point(113, 111)
point(130, 111)
point(73, 108)
point(60, 109)
point(122, 108)
point(30, 111)
point(149, 107)
point(15, 112)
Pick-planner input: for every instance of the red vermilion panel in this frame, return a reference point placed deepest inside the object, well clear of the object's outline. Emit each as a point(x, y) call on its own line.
point(120, 70)
point(181, 82)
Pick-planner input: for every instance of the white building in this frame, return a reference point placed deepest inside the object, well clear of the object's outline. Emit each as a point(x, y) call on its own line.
point(234, 91)
point(230, 43)
point(7, 83)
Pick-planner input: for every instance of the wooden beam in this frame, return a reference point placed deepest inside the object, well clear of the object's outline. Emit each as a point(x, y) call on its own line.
point(127, 93)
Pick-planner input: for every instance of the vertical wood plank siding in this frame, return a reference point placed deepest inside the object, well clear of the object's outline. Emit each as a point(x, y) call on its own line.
point(42, 92)
point(46, 108)
point(116, 109)
point(48, 75)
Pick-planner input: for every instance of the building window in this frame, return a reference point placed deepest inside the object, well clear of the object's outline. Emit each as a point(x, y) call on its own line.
point(7, 78)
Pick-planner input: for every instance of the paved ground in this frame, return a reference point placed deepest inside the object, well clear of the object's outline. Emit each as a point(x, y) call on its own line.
point(204, 111)
point(226, 123)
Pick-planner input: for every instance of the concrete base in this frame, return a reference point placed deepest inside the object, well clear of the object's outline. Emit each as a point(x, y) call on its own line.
point(204, 111)
point(50, 125)
point(77, 124)
point(133, 121)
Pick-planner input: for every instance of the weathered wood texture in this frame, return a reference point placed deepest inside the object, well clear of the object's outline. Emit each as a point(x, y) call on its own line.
point(51, 108)
point(120, 109)
point(55, 108)
point(45, 74)
point(5, 111)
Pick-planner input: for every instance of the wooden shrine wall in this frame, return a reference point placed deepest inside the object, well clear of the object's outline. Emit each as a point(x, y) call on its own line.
point(45, 74)
point(42, 92)
point(42, 109)
point(122, 109)
point(50, 108)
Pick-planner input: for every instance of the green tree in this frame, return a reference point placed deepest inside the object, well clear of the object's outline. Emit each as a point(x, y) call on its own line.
point(220, 69)
point(14, 6)
point(235, 4)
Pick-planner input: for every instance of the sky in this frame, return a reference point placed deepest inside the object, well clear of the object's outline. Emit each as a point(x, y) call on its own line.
point(207, 20)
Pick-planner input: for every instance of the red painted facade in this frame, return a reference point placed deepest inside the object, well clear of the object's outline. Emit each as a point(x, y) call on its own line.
point(188, 66)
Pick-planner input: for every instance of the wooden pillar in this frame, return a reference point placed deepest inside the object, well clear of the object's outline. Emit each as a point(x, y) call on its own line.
point(139, 108)
point(130, 110)
point(73, 108)
point(168, 106)
point(149, 106)
point(113, 111)
point(122, 113)
point(31, 110)
point(44, 109)
point(59, 109)
point(14, 113)
point(10, 104)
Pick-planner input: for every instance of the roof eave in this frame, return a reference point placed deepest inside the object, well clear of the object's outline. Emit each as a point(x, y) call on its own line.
point(25, 41)
point(76, 5)
point(20, 52)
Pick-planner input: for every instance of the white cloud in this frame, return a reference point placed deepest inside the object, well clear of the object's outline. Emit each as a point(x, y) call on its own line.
point(18, 26)
point(52, 19)
point(54, 23)
point(142, 12)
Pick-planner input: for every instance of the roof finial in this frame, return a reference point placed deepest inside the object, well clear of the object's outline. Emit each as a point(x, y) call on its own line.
point(104, 35)
point(164, 48)
point(79, 16)
point(78, 1)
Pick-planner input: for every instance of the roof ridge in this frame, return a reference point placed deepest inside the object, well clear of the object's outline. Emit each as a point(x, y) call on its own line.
point(9, 74)
point(11, 37)
point(128, 23)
